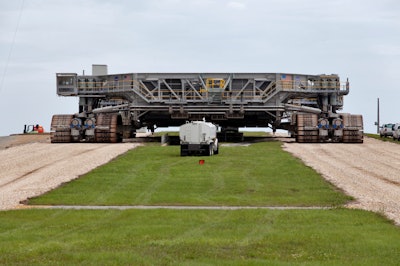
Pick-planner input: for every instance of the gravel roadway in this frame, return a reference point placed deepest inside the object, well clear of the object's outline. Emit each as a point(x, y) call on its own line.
point(369, 172)
point(31, 169)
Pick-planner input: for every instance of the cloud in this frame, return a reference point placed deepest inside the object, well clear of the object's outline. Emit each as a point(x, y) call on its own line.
point(387, 49)
point(236, 5)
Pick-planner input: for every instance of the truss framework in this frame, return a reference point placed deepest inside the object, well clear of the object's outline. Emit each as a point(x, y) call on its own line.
point(189, 95)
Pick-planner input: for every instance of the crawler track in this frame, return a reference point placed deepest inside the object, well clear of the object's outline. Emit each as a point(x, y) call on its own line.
point(106, 129)
point(345, 128)
point(60, 126)
point(307, 130)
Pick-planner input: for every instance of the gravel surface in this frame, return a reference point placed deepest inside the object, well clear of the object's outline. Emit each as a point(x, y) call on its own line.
point(368, 172)
point(28, 170)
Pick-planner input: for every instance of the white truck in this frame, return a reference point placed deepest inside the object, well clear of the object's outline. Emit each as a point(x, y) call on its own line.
point(198, 138)
point(386, 130)
point(396, 131)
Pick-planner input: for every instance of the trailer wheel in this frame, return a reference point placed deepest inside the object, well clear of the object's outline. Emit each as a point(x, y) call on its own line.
point(210, 150)
point(215, 147)
point(184, 150)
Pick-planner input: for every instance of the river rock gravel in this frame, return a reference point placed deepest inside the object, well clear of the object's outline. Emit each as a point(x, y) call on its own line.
point(369, 172)
point(31, 169)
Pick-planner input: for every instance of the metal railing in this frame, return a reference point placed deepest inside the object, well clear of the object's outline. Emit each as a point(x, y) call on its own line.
point(166, 93)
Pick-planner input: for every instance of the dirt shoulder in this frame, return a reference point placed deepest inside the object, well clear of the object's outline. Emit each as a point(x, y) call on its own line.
point(29, 168)
point(20, 139)
point(364, 171)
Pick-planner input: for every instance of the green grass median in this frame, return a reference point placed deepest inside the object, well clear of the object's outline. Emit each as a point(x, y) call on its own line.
point(197, 237)
point(260, 174)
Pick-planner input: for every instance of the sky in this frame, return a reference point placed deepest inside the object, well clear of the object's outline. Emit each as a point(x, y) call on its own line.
point(358, 39)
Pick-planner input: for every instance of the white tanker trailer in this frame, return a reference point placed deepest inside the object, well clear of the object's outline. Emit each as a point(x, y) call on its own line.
point(198, 138)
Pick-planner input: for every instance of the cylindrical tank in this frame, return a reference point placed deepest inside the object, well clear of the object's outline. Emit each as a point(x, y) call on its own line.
point(198, 137)
point(197, 132)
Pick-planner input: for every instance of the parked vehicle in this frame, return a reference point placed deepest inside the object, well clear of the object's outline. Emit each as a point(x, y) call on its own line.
point(396, 131)
point(33, 129)
point(198, 137)
point(386, 130)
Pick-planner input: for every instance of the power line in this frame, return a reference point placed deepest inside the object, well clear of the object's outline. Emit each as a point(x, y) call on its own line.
point(12, 46)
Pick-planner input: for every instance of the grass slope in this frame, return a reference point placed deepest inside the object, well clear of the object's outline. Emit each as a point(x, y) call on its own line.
point(257, 175)
point(188, 237)
point(378, 137)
